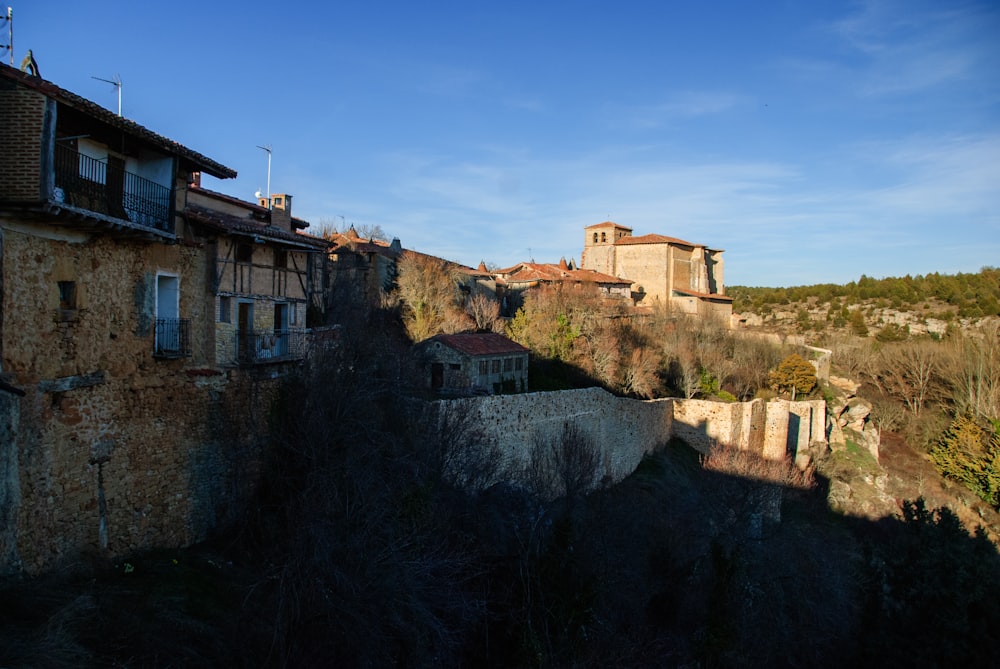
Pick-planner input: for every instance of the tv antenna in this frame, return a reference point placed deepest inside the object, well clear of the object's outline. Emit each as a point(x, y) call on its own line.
point(117, 83)
point(267, 147)
point(10, 33)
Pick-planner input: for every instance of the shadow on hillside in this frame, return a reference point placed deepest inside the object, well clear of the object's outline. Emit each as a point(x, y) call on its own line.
point(364, 557)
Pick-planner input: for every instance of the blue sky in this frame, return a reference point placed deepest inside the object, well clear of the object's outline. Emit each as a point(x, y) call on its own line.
point(813, 141)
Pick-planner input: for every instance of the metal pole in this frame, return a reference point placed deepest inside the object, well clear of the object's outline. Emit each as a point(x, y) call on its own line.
point(267, 147)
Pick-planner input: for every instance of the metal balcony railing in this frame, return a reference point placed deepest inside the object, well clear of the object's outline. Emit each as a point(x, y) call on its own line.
point(172, 338)
point(96, 186)
point(259, 347)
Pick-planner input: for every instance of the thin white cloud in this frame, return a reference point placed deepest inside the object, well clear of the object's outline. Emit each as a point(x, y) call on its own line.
point(678, 107)
point(907, 47)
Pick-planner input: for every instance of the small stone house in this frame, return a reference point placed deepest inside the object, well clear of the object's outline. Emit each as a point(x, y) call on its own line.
point(481, 362)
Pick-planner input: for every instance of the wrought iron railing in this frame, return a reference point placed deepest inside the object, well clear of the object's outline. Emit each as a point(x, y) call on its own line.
point(259, 347)
point(173, 338)
point(96, 186)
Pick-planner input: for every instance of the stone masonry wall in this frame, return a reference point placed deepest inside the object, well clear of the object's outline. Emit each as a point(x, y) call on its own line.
point(115, 450)
point(625, 430)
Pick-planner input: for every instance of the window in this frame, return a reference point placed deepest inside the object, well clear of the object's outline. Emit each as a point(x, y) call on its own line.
point(171, 338)
point(225, 309)
point(280, 258)
point(495, 366)
point(595, 237)
point(508, 364)
point(67, 295)
point(484, 367)
point(454, 365)
point(604, 237)
point(244, 253)
point(519, 364)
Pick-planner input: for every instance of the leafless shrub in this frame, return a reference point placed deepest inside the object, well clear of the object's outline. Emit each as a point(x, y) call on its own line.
point(485, 313)
point(734, 461)
point(569, 465)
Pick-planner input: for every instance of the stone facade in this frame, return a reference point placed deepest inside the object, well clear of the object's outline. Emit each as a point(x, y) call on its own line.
point(625, 429)
point(671, 272)
point(119, 430)
point(481, 363)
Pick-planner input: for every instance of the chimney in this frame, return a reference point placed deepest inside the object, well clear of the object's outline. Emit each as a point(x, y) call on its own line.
point(281, 212)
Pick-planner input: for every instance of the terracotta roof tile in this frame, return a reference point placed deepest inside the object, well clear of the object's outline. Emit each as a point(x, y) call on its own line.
point(527, 271)
point(655, 239)
point(480, 343)
point(246, 226)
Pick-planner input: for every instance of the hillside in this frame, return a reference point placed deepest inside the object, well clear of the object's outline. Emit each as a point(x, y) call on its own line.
point(890, 307)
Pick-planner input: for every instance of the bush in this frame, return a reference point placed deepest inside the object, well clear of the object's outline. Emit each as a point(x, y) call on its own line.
point(969, 454)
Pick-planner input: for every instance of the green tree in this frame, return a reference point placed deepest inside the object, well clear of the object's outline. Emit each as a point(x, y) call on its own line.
point(969, 454)
point(794, 375)
point(857, 321)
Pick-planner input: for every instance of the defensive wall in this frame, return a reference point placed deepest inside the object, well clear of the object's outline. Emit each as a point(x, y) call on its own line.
point(624, 430)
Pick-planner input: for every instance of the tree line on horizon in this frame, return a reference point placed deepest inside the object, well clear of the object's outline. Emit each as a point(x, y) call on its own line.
point(967, 295)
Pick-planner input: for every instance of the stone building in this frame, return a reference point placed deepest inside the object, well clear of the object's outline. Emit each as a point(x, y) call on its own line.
point(479, 363)
point(266, 275)
point(361, 268)
point(513, 281)
point(679, 275)
point(122, 427)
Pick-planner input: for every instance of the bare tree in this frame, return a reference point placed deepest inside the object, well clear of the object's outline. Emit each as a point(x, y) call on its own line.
point(569, 465)
point(484, 311)
point(428, 291)
point(909, 371)
point(974, 373)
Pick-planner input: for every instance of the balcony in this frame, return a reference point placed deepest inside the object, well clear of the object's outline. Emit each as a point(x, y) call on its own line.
point(104, 188)
point(261, 347)
point(173, 338)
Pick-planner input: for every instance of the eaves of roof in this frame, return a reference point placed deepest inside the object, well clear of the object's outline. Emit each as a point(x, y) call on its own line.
point(480, 343)
point(234, 225)
point(655, 239)
point(253, 207)
point(61, 95)
point(704, 296)
point(606, 224)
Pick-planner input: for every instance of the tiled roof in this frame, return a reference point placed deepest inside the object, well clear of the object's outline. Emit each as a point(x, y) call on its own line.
point(261, 213)
point(480, 343)
point(236, 225)
point(607, 223)
point(356, 243)
point(552, 273)
point(655, 239)
point(198, 161)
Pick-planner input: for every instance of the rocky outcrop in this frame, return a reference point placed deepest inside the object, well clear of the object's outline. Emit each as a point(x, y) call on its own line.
point(849, 418)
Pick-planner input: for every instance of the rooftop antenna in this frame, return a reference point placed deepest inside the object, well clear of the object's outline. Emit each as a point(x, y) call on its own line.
point(117, 83)
point(267, 147)
point(10, 34)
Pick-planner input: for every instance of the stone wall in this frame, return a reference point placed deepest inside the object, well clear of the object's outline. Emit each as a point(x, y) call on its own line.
point(110, 449)
point(624, 430)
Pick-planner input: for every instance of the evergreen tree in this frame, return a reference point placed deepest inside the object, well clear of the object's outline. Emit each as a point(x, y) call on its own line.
point(794, 375)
